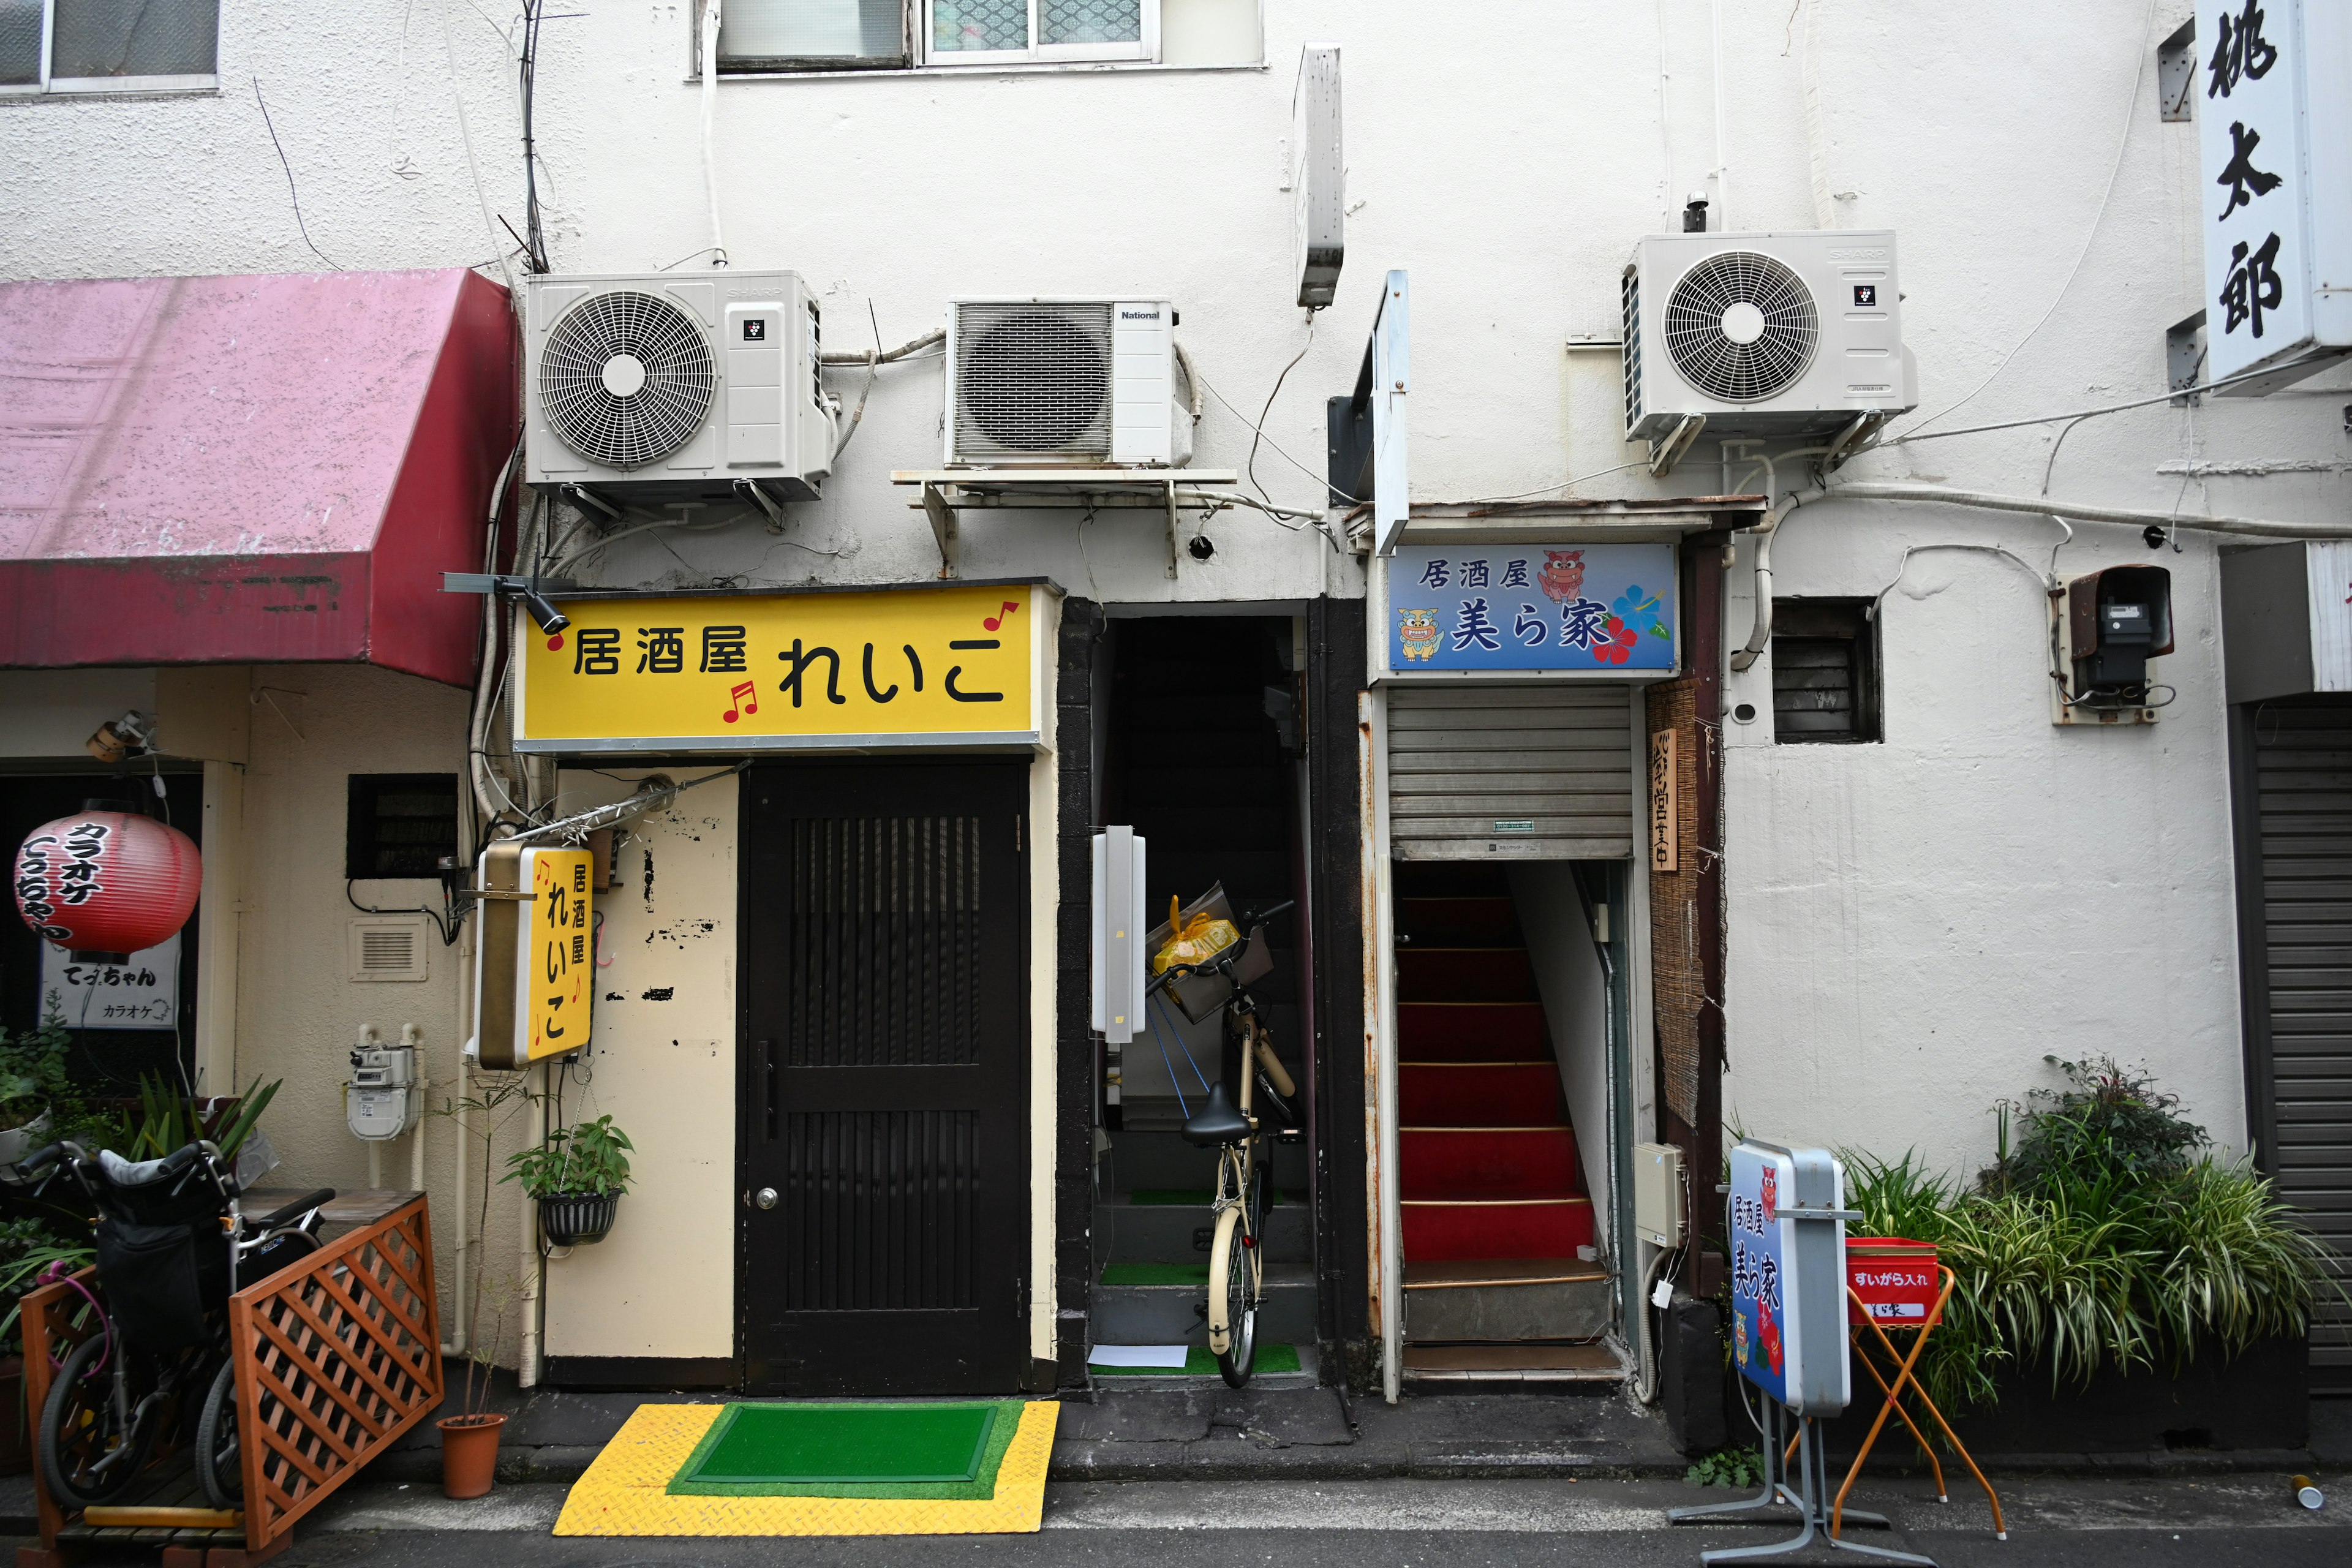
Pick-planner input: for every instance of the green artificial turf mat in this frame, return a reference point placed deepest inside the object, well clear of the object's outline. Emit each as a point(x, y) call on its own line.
point(943, 1452)
point(1156, 1274)
point(1188, 1197)
point(1199, 1363)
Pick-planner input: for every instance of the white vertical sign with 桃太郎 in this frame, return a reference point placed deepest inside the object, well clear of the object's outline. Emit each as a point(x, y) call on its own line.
point(1787, 1275)
point(2273, 102)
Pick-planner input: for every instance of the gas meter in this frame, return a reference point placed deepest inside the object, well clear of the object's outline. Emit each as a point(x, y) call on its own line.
point(383, 1099)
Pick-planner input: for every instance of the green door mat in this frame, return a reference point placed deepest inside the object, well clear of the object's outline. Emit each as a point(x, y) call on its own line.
point(914, 1451)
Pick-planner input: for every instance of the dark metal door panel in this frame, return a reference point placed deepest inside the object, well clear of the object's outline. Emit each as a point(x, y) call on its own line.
point(885, 1056)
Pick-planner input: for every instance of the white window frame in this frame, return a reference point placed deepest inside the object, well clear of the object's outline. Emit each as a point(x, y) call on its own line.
point(91, 85)
point(1145, 49)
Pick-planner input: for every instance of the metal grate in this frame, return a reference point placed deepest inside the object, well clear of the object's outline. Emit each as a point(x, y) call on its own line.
point(1630, 344)
point(625, 379)
point(387, 949)
point(1741, 326)
point(1032, 380)
point(1824, 671)
point(969, 24)
point(1089, 21)
point(886, 943)
point(881, 1210)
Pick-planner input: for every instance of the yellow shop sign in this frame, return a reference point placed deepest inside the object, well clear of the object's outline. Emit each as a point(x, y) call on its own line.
point(956, 666)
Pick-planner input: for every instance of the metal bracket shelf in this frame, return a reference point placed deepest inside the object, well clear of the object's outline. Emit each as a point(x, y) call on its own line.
point(947, 493)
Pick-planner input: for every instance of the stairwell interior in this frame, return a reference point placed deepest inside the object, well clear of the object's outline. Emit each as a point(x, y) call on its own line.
point(1504, 1279)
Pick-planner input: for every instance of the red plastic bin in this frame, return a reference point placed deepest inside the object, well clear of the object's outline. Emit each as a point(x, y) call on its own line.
point(1896, 1280)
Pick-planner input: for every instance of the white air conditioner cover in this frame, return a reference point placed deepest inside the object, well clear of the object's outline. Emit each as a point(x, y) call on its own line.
point(1766, 335)
point(1079, 382)
point(675, 384)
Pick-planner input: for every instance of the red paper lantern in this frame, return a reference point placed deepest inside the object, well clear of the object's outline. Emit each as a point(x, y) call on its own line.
point(107, 881)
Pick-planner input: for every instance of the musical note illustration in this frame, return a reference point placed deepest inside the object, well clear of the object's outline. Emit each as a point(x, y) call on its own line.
point(994, 621)
point(745, 697)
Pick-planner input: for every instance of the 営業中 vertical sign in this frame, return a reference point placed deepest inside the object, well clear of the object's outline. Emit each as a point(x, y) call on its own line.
point(1665, 797)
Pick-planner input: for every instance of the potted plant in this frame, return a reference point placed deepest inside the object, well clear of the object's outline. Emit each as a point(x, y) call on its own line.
point(32, 1081)
point(469, 1440)
point(577, 1178)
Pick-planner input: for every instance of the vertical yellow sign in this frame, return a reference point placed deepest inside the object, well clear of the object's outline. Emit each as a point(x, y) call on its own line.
point(558, 953)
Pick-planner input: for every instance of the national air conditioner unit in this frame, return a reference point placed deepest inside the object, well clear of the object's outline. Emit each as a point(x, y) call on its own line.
point(663, 386)
point(1063, 382)
point(1772, 337)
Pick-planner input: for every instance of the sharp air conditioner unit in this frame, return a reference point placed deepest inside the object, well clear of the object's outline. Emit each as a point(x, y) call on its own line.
point(1085, 383)
point(666, 386)
point(1767, 336)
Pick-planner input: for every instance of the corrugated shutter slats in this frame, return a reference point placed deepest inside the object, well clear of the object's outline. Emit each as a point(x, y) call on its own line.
point(1525, 772)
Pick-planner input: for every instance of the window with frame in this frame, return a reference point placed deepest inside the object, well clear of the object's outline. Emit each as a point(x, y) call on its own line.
point(1825, 685)
point(784, 36)
point(108, 46)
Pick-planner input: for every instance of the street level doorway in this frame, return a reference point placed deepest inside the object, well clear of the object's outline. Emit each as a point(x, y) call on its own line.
point(884, 1143)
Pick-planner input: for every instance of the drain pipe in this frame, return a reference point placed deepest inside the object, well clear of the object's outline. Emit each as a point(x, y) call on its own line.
point(1761, 632)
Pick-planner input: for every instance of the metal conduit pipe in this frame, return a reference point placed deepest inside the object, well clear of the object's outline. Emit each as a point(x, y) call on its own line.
point(1761, 632)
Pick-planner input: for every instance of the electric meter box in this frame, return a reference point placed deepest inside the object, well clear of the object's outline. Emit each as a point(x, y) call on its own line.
point(1658, 1216)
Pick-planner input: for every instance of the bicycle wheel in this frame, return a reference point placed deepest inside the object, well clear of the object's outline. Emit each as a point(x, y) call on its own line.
point(220, 1467)
point(87, 1456)
point(1234, 1274)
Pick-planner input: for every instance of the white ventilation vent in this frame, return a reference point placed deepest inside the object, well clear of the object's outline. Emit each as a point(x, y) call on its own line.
point(1076, 383)
point(1741, 326)
point(389, 947)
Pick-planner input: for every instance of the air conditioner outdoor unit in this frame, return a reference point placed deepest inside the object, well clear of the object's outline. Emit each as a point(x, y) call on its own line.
point(664, 386)
point(1769, 336)
point(1063, 382)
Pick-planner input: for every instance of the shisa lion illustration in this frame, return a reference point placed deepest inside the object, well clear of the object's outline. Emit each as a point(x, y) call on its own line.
point(1563, 575)
point(1417, 631)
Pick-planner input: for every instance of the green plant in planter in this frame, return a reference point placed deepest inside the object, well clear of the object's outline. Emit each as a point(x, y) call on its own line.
point(168, 1120)
point(27, 1247)
point(592, 1158)
point(33, 1069)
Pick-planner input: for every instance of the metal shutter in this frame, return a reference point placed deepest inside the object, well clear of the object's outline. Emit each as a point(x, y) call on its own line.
point(1527, 772)
point(2302, 763)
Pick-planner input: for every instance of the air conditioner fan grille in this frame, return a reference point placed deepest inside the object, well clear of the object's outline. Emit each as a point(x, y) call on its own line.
point(1714, 336)
point(625, 379)
point(1032, 380)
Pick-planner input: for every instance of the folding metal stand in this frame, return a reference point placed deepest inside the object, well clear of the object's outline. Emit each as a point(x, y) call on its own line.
point(1810, 1496)
point(1904, 1366)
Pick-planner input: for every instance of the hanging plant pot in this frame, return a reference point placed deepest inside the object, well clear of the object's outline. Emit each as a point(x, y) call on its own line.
point(576, 1219)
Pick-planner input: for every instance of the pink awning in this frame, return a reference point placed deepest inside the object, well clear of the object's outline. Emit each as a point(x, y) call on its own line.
point(249, 469)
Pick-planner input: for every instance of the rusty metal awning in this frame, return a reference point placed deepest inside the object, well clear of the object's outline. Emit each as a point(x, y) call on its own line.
point(249, 469)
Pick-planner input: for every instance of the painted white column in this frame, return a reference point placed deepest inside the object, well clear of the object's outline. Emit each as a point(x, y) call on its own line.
point(220, 912)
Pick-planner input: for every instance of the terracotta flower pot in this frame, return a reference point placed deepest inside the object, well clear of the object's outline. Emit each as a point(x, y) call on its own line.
point(470, 1453)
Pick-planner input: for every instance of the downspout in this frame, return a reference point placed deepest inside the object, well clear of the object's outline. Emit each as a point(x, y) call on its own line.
point(1385, 1225)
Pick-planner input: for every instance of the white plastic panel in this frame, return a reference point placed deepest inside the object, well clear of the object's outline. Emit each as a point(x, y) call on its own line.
point(755, 337)
point(1142, 340)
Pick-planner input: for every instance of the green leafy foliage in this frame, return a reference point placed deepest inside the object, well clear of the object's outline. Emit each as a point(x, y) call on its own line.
point(1741, 1467)
point(592, 1157)
point(2105, 1238)
point(27, 1247)
point(169, 1119)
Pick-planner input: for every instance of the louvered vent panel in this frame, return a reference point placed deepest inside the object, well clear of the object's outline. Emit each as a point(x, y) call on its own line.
point(886, 937)
point(881, 1208)
point(387, 950)
point(1629, 345)
point(1033, 382)
point(1525, 771)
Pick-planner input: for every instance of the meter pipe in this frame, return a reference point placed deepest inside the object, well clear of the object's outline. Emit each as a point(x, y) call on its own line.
point(1986, 501)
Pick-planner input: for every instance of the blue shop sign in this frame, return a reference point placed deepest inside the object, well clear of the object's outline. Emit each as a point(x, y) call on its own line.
point(1497, 606)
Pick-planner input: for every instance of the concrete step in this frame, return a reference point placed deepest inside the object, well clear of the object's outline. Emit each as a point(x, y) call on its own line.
point(1305, 1378)
point(1505, 1368)
point(1147, 1152)
point(1506, 1299)
point(1178, 1232)
point(1170, 1314)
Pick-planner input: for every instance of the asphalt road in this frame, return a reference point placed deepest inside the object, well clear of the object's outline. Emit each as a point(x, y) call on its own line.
point(2219, 1523)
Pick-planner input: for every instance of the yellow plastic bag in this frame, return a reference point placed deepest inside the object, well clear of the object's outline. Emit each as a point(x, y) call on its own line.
point(1194, 941)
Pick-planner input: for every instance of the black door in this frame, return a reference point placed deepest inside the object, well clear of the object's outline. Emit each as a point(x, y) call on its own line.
point(886, 1140)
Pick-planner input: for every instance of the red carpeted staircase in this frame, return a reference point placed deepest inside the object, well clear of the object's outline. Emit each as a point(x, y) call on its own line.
point(1494, 1201)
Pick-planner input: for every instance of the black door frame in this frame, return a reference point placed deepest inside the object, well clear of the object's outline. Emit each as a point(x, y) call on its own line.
point(750, 1077)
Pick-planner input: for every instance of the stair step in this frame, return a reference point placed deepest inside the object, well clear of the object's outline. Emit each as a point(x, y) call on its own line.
point(1486, 1162)
point(1156, 1233)
point(1507, 1298)
point(1459, 922)
point(1465, 974)
point(1509, 1363)
point(1172, 1313)
point(1473, 1031)
point(1452, 1230)
point(1297, 1361)
point(1478, 1094)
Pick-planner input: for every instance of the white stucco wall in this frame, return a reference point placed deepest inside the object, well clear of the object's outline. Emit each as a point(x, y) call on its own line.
point(1914, 923)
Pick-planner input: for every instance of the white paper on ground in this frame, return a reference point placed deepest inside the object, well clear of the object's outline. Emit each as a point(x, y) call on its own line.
point(1138, 1355)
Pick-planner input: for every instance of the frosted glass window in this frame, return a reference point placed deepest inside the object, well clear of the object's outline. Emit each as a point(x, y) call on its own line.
point(1089, 21)
point(812, 30)
point(134, 38)
point(20, 42)
point(963, 26)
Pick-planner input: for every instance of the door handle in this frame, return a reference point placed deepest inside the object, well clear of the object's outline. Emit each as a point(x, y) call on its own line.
point(765, 1197)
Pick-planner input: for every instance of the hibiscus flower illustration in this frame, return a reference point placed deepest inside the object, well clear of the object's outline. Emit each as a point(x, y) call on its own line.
point(1634, 605)
point(1620, 645)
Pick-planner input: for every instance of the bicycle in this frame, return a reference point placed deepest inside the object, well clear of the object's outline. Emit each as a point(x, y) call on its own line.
point(1236, 1262)
point(125, 1387)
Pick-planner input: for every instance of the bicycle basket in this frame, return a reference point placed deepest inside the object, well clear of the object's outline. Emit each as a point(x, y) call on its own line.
point(1201, 998)
point(149, 1274)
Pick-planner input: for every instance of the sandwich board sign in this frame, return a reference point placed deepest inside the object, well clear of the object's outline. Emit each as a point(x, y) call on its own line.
point(1788, 1275)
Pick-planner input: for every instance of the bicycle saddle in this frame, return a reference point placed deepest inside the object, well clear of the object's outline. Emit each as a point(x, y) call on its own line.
point(1217, 1122)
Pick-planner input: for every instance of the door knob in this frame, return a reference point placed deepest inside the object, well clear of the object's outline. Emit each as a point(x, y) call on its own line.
point(765, 1197)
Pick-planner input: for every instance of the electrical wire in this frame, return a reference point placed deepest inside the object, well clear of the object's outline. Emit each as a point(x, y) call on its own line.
point(2166, 396)
point(535, 242)
point(2122, 143)
point(466, 138)
point(291, 192)
point(1322, 480)
point(1563, 485)
point(1258, 431)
